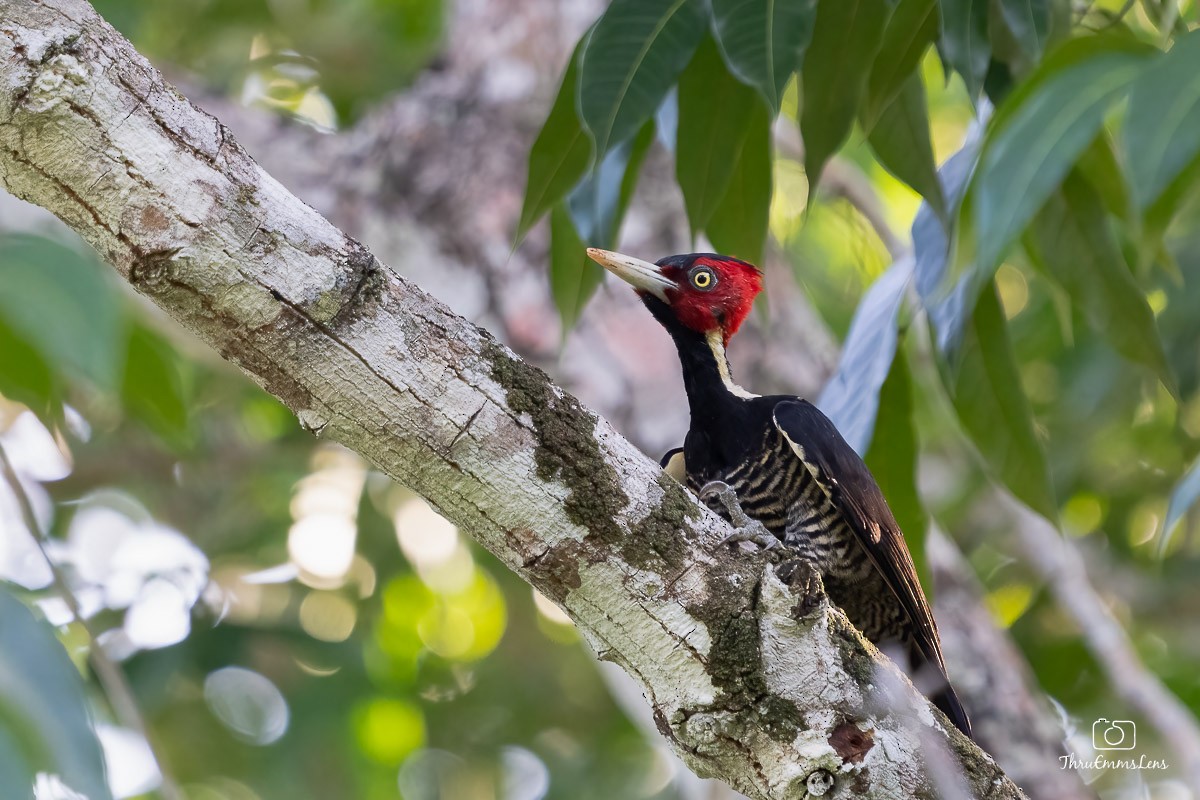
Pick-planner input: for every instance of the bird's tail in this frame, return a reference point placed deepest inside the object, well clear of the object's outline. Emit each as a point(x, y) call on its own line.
point(948, 702)
point(929, 675)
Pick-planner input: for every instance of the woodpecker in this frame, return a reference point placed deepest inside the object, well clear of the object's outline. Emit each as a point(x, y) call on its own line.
point(778, 469)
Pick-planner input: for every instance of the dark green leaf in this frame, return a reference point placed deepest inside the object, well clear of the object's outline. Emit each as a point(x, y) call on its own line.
point(1162, 211)
point(834, 77)
point(739, 225)
point(1164, 115)
point(911, 29)
point(764, 40)
point(900, 139)
point(892, 459)
point(632, 58)
point(708, 142)
point(1099, 163)
point(57, 301)
point(1039, 133)
point(560, 154)
point(1183, 497)
point(26, 377)
point(1029, 21)
point(1071, 240)
point(851, 397)
point(598, 204)
point(152, 389)
point(43, 706)
point(573, 276)
point(964, 43)
point(995, 412)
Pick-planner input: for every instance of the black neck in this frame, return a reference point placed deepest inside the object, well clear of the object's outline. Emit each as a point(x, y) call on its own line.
point(708, 390)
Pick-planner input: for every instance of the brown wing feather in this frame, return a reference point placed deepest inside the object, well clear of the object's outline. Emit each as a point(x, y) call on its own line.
point(857, 496)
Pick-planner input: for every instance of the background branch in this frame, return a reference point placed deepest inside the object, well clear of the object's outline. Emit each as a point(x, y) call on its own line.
point(1060, 564)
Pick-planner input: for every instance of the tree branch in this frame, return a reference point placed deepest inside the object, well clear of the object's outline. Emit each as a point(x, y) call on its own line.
point(1061, 565)
point(1009, 716)
point(752, 679)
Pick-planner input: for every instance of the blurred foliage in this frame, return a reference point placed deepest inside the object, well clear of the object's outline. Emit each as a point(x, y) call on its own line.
point(46, 728)
point(326, 61)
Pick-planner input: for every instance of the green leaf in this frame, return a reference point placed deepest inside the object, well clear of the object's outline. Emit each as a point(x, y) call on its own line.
point(1038, 134)
point(43, 707)
point(834, 77)
point(892, 459)
point(739, 225)
point(598, 203)
point(851, 397)
point(560, 154)
point(1164, 114)
point(574, 277)
point(1029, 21)
point(912, 28)
point(152, 387)
point(1183, 497)
point(58, 302)
point(900, 139)
point(764, 40)
point(995, 412)
point(1071, 241)
point(26, 377)
point(965, 46)
point(1099, 163)
point(631, 60)
point(1157, 218)
point(706, 141)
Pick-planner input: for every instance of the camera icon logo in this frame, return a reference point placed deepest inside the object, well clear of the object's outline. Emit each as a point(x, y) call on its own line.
point(1114, 734)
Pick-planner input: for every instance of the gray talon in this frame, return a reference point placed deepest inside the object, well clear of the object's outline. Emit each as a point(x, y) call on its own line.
point(748, 530)
point(761, 537)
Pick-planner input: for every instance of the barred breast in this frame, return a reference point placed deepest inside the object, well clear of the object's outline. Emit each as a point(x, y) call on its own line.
point(777, 489)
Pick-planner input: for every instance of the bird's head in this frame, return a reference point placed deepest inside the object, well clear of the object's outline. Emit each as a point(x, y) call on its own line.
point(704, 292)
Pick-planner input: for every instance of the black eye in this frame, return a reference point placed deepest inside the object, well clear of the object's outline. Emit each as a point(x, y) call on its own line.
point(703, 278)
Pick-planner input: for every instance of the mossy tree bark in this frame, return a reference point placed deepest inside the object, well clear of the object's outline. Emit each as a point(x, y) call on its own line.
point(753, 678)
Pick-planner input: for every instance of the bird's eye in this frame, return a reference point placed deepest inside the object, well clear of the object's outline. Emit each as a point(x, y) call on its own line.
point(703, 278)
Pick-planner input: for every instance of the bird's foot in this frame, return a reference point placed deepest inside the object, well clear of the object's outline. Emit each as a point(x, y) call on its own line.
point(748, 530)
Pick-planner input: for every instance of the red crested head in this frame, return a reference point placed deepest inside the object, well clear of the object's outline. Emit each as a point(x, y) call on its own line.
point(705, 292)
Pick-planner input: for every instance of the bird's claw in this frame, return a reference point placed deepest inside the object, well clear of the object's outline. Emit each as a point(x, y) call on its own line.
point(748, 530)
point(755, 533)
point(722, 491)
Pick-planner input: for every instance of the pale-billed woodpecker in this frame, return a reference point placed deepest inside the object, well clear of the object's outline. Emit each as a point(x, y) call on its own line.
point(778, 469)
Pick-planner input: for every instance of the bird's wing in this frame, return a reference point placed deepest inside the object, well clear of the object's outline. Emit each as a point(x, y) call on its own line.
point(674, 465)
point(853, 490)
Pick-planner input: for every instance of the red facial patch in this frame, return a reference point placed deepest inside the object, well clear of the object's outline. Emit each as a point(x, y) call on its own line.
point(724, 306)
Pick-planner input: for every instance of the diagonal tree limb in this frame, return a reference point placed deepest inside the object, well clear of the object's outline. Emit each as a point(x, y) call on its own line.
point(1009, 716)
point(752, 679)
point(1060, 564)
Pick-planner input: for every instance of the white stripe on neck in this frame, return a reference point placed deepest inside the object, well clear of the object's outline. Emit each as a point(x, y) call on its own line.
point(716, 343)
